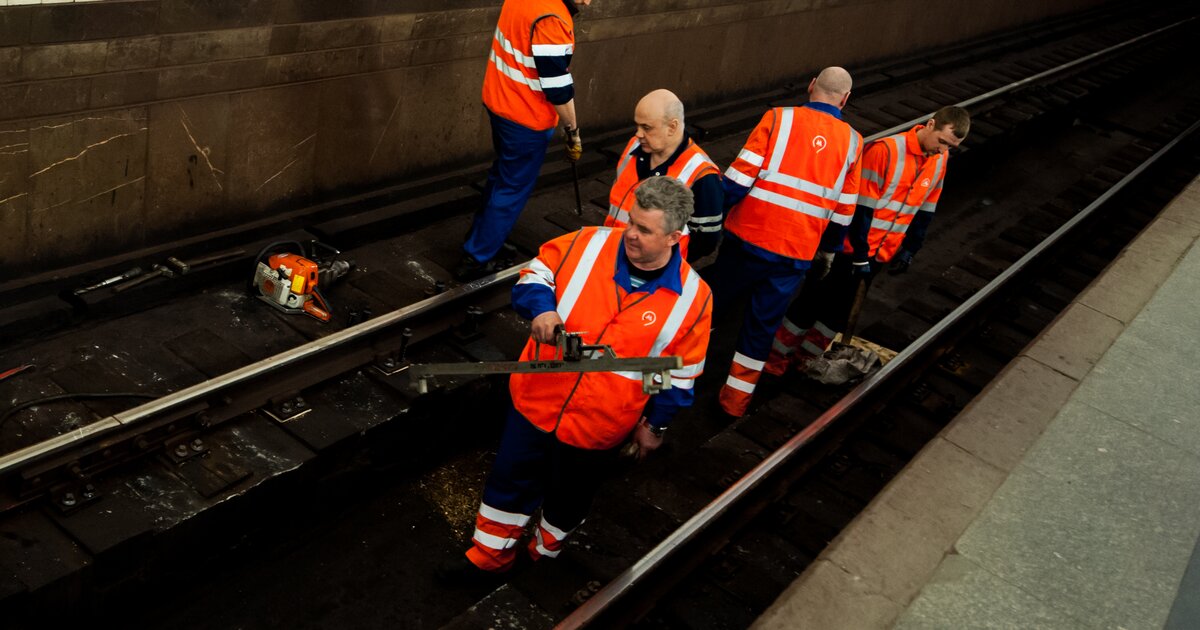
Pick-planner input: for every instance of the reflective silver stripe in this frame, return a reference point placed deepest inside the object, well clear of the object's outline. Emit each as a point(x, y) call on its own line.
point(558, 534)
point(841, 219)
point(627, 158)
point(716, 218)
point(890, 226)
point(802, 207)
point(811, 348)
point(553, 50)
point(847, 198)
point(739, 177)
point(872, 177)
point(779, 147)
point(751, 157)
point(740, 385)
point(682, 383)
point(520, 57)
point(691, 286)
point(780, 347)
point(799, 184)
point(867, 200)
point(792, 328)
point(556, 82)
point(689, 371)
point(841, 180)
point(692, 165)
point(824, 330)
point(514, 74)
point(633, 376)
point(747, 362)
point(494, 542)
point(541, 274)
point(929, 206)
point(897, 166)
point(500, 516)
point(620, 215)
point(579, 278)
point(705, 229)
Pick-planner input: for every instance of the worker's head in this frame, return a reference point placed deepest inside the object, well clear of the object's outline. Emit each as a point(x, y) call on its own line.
point(659, 121)
point(831, 87)
point(583, 2)
point(947, 129)
point(662, 206)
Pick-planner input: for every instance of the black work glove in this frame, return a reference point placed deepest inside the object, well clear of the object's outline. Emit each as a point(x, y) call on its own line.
point(819, 268)
point(901, 262)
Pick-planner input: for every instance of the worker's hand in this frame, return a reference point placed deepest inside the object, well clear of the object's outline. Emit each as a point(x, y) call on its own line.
point(574, 143)
point(544, 325)
point(861, 268)
point(901, 262)
point(646, 441)
point(821, 264)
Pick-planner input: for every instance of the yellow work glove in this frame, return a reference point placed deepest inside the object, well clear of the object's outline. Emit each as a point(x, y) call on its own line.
point(574, 144)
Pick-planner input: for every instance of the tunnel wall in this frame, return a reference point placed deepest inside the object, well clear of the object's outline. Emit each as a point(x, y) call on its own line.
point(125, 123)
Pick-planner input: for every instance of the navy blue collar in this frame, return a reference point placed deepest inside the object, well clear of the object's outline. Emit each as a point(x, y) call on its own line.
point(832, 110)
point(670, 278)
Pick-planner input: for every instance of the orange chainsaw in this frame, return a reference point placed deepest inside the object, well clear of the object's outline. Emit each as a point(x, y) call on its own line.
point(289, 278)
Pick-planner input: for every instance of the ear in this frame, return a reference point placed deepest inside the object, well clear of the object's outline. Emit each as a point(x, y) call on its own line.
point(845, 99)
point(674, 237)
point(932, 124)
point(812, 84)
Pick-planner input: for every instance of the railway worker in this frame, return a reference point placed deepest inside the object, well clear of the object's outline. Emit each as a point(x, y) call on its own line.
point(902, 179)
point(528, 92)
point(791, 194)
point(632, 290)
point(661, 146)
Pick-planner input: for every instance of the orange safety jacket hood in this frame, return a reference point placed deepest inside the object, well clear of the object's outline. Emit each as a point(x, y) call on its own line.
point(802, 167)
point(898, 180)
point(597, 410)
point(512, 88)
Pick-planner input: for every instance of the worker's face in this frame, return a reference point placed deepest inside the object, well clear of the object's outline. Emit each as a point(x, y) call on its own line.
point(939, 141)
point(583, 2)
point(655, 133)
point(647, 242)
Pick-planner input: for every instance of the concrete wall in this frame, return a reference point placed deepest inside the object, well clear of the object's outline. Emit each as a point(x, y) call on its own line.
point(124, 123)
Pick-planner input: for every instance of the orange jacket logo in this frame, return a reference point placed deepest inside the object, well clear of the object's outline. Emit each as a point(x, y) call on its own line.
point(819, 143)
point(648, 318)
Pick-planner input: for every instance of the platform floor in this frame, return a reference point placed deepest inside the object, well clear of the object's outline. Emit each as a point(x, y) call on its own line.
point(1067, 494)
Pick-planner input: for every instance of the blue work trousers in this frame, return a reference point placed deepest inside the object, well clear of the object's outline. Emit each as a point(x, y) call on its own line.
point(534, 469)
point(520, 152)
point(770, 284)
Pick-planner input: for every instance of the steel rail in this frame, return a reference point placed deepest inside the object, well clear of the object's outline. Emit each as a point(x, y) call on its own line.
point(628, 580)
point(196, 396)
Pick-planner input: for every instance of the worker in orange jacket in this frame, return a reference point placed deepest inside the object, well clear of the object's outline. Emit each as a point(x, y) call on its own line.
point(626, 288)
point(791, 191)
point(661, 146)
point(902, 178)
point(528, 90)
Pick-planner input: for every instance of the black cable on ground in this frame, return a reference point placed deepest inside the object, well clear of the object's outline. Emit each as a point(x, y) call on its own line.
point(8, 413)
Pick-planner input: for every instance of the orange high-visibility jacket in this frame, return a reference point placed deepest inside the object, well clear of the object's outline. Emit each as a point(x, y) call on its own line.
point(511, 86)
point(692, 164)
point(802, 168)
point(898, 181)
point(597, 410)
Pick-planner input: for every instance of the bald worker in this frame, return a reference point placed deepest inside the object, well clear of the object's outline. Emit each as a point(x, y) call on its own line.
point(661, 146)
point(791, 193)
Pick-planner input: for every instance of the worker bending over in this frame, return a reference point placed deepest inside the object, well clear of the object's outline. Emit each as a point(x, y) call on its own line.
point(792, 190)
point(902, 179)
point(661, 146)
point(528, 91)
point(626, 288)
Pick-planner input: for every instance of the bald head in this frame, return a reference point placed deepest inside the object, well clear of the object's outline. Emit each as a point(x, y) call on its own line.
point(659, 120)
point(663, 105)
point(832, 86)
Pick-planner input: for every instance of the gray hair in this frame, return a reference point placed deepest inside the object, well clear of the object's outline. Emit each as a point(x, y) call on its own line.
point(669, 195)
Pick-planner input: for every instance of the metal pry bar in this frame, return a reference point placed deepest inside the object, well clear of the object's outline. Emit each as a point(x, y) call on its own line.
point(648, 366)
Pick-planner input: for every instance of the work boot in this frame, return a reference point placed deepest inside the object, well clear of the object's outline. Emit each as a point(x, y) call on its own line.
point(459, 571)
point(469, 269)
